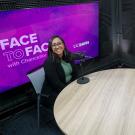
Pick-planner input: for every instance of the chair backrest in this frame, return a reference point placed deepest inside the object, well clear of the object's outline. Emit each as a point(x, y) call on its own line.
point(37, 79)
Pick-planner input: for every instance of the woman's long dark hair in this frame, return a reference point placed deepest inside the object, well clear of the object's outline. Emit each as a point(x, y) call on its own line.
point(55, 57)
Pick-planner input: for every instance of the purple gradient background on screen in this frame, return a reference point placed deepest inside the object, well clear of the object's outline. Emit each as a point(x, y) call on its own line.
point(74, 23)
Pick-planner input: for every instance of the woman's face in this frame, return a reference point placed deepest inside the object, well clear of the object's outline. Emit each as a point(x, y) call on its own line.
point(58, 47)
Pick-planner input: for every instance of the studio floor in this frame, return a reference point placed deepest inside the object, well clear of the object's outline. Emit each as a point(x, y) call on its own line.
point(25, 123)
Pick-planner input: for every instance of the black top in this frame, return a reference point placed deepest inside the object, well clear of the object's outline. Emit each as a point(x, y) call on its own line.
point(55, 79)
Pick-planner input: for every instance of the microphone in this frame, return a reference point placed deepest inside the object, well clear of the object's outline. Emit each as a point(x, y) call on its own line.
point(79, 56)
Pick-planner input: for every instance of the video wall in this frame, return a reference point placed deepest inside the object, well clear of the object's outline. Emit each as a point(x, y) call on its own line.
point(24, 35)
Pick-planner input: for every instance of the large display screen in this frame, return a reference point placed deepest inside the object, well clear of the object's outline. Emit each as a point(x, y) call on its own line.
point(24, 35)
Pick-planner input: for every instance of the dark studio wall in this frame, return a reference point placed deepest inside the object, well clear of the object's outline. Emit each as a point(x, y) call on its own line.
point(117, 30)
point(128, 31)
point(105, 28)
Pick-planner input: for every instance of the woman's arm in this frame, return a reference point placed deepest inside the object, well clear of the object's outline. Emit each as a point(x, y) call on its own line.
point(53, 77)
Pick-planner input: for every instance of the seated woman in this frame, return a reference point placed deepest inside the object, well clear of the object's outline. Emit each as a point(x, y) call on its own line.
point(59, 68)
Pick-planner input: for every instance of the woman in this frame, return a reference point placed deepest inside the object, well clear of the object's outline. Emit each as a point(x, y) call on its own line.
point(59, 68)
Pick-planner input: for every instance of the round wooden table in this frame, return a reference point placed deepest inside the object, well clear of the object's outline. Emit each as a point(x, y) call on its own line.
point(104, 106)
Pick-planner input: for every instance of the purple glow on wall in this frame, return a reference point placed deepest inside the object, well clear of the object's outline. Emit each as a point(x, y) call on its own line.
point(24, 36)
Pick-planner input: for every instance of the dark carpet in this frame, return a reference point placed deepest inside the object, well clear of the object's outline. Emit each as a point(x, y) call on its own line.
point(25, 123)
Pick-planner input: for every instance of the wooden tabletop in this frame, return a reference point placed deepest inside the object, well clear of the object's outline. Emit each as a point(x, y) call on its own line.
point(104, 106)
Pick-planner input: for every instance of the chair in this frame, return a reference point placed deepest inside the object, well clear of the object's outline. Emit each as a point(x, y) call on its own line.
point(37, 79)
